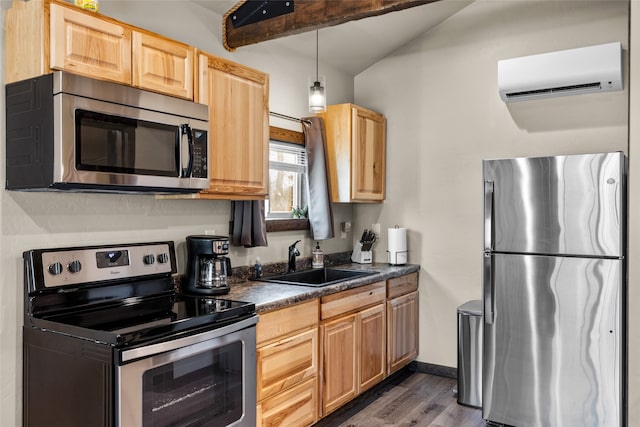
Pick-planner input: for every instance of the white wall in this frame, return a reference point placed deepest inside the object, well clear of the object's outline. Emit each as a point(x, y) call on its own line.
point(439, 94)
point(38, 220)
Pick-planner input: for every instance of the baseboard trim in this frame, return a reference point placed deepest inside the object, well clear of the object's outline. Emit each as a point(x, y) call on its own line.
point(432, 369)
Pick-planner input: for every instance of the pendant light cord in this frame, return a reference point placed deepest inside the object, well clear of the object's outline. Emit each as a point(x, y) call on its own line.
point(317, 44)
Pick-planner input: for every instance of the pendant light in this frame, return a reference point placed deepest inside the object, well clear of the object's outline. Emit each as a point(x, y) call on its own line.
point(317, 89)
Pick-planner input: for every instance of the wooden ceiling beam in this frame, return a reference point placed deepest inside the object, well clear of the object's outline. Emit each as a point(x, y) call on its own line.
point(308, 15)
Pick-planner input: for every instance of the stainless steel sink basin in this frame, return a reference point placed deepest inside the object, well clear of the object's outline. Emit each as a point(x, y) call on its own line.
point(317, 277)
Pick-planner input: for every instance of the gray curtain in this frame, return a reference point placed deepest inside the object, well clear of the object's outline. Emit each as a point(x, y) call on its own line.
point(248, 225)
point(320, 210)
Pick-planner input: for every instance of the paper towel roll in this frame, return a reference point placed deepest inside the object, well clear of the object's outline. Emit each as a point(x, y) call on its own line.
point(397, 244)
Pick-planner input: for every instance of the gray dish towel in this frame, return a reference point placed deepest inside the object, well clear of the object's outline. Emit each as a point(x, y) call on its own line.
point(320, 210)
point(248, 226)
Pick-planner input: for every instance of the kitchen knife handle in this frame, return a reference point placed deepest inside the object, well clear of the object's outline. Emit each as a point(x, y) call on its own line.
point(488, 215)
point(487, 288)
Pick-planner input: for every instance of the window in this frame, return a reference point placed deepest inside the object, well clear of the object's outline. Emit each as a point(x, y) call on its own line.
point(280, 218)
point(287, 181)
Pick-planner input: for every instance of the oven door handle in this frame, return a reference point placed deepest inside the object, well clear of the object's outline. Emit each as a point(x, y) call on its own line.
point(174, 344)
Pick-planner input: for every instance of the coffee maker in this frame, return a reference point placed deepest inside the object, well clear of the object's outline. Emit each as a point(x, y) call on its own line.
point(207, 267)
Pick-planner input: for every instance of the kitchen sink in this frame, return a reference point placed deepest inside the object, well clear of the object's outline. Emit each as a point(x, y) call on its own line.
point(317, 277)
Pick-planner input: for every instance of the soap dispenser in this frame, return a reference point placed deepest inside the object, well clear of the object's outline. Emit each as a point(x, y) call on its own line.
point(317, 259)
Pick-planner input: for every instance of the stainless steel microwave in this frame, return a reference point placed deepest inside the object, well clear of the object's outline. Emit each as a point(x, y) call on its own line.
point(67, 132)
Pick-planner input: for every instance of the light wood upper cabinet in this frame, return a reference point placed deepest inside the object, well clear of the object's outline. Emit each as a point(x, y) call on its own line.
point(89, 46)
point(162, 65)
point(238, 99)
point(356, 149)
point(46, 35)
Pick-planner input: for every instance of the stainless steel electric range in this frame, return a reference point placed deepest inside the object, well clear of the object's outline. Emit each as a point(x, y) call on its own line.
point(108, 342)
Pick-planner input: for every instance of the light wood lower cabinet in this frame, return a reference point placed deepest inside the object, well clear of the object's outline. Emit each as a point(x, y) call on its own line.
point(288, 361)
point(353, 343)
point(314, 357)
point(287, 366)
point(372, 347)
point(339, 374)
point(296, 406)
point(402, 321)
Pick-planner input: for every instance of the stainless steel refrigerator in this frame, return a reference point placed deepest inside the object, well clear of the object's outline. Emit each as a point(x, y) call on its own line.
point(554, 291)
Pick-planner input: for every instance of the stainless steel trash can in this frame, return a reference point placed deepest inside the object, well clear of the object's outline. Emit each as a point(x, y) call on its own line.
point(470, 354)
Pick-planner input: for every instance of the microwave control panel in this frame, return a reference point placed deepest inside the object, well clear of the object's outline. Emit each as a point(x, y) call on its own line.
point(200, 149)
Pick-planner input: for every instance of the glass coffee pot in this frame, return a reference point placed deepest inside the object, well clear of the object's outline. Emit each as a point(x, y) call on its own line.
point(208, 268)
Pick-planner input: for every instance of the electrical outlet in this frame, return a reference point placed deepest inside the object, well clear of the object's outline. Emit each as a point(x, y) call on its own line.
point(346, 226)
point(210, 232)
point(376, 229)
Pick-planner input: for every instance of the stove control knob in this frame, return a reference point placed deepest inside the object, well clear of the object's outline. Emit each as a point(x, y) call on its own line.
point(148, 259)
point(163, 258)
point(55, 268)
point(75, 266)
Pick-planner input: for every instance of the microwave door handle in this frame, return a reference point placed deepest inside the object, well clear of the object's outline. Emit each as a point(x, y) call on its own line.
point(185, 129)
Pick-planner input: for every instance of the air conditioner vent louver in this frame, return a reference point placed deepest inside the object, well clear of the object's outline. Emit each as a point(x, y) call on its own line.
point(553, 90)
point(568, 72)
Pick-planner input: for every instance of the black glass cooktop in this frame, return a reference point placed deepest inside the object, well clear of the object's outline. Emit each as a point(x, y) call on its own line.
point(132, 321)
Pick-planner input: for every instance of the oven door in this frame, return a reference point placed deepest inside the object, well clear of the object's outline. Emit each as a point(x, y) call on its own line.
point(208, 379)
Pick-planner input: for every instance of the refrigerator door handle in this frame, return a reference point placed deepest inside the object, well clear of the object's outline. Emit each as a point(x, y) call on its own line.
point(488, 215)
point(487, 288)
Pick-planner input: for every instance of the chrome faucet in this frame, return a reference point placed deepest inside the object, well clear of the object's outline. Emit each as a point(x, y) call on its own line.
point(293, 253)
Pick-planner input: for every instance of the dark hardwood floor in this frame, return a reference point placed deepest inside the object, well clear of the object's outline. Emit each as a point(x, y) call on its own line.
point(407, 399)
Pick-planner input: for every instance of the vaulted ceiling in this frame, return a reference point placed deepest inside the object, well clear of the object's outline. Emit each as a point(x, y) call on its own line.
point(356, 45)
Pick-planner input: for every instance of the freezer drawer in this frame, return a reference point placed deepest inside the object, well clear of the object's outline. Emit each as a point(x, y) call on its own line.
point(566, 205)
point(553, 355)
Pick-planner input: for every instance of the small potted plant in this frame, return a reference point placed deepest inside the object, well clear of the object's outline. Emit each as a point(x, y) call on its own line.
point(298, 213)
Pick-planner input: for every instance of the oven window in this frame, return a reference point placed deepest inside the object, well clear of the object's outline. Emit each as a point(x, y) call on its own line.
point(107, 143)
point(201, 390)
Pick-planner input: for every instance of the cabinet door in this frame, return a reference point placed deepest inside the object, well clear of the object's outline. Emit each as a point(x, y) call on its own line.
point(238, 99)
point(296, 407)
point(339, 363)
point(287, 362)
point(367, 155)
point(402, 331)
point(89, 46)
point(162, 65)
point(372, 346)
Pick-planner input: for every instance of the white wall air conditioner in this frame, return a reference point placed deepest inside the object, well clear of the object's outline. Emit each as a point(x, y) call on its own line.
point(567, 72)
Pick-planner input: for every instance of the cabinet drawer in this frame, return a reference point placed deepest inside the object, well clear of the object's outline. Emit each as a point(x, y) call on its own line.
point(353, 299)
point(282, 322)
point(286, 363)
point(402, 285)
point(295, 407)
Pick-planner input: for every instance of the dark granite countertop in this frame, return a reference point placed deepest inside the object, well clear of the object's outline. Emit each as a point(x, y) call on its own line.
point(269, 296)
